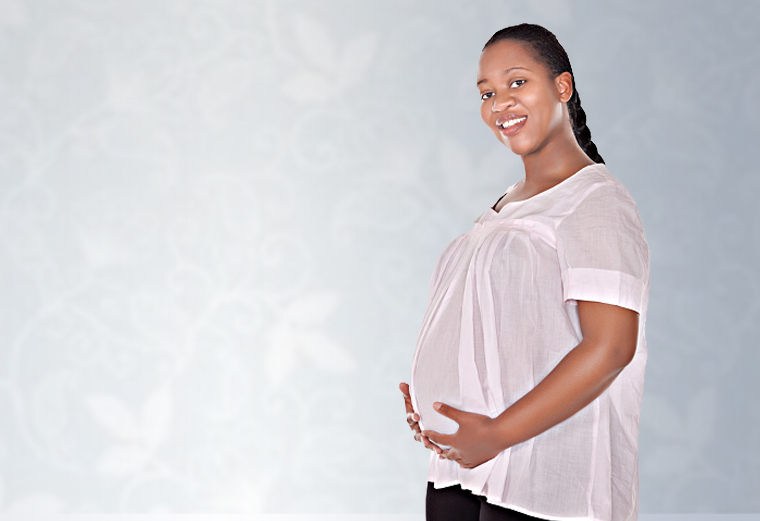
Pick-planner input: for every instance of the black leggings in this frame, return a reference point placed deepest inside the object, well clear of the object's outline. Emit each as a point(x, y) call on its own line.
point(456, 504)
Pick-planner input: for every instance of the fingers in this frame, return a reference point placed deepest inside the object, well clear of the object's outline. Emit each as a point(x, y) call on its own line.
point(448, 411)
point(407, 398)
point(453, 455)
point(418, 436)
point(413, 419)
point(429, 445)
point(438, 438)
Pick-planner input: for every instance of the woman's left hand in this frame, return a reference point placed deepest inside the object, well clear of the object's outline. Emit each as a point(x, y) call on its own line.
point(475, 442)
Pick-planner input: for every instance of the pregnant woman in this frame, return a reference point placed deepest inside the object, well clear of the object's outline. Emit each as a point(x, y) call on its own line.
point(529, 370)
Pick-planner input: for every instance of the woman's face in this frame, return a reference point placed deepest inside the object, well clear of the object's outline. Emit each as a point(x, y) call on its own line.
point(521, 103)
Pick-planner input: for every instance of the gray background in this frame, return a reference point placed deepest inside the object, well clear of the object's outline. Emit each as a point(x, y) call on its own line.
point(218, 221)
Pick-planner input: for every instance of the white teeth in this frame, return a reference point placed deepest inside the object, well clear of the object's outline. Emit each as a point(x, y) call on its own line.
point(511, 122)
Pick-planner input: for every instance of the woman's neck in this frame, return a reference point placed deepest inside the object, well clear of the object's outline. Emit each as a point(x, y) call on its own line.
point(554, 163)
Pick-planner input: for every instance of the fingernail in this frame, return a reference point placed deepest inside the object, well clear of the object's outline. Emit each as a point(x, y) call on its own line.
point(436, 406)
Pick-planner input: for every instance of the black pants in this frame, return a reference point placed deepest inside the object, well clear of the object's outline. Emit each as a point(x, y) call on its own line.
point(455, 504)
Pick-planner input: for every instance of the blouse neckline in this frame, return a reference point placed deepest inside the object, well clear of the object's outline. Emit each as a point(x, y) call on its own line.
point(550, 189)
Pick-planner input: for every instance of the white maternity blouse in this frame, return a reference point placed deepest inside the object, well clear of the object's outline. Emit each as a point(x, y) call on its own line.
point(503, 312)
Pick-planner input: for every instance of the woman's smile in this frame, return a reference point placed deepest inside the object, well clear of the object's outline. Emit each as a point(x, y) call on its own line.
point(520, 100)
point(511, 125)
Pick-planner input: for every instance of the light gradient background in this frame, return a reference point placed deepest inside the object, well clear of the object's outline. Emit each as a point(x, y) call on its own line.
point(218, 221)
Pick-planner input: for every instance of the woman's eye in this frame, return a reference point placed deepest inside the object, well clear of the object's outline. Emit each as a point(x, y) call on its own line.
point(518, 81)
point(485, 96)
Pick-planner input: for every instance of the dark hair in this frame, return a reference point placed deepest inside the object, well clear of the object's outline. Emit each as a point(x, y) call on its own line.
point(552, 55)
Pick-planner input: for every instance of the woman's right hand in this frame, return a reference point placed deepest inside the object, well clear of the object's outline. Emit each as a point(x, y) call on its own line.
point(412, 418)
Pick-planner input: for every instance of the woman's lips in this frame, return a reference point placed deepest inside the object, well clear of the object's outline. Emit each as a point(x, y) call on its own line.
point(513, 129)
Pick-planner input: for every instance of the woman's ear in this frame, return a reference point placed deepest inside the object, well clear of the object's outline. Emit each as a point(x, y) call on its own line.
point(564, 83)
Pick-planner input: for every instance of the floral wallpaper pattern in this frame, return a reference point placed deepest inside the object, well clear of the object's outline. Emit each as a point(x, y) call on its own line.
point(218, 221)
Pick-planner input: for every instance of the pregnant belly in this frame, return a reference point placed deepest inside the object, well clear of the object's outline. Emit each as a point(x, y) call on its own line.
point(438, 377)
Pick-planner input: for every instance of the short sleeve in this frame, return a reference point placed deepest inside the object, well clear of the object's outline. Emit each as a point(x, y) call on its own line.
point(603, 253)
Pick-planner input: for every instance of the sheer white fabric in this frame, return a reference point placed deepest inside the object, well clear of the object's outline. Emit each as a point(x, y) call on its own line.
point(503, 312)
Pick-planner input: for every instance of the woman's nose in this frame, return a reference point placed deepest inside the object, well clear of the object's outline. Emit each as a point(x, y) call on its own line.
point(502, 102)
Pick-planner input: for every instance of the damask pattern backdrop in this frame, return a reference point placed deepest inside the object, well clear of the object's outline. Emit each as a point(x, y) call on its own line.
point(218, 221)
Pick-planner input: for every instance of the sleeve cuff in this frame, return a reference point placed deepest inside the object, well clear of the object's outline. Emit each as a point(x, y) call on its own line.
point(606, 286)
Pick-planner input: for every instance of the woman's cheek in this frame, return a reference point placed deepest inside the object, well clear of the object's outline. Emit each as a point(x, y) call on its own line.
point(484, 114)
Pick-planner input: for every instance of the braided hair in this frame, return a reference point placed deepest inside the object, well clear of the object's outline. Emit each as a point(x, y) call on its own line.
point(552, 55)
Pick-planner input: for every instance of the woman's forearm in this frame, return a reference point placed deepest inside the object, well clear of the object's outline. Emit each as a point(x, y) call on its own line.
point(581, 376)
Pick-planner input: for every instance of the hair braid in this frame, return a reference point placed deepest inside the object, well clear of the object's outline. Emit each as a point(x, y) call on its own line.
point(581, 131)
point(549, 52)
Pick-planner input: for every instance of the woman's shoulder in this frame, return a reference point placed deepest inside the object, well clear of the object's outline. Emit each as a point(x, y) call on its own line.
point(600, 184)
point(597, 197)
point(598, 175)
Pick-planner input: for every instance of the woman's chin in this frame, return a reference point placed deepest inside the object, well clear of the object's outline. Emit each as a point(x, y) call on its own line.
point(515, 147)
point(504, 141)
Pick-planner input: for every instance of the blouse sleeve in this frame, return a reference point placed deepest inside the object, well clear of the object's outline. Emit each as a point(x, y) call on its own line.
point(603, 253)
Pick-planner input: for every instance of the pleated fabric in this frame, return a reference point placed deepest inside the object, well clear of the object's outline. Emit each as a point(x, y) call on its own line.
point(502, 313)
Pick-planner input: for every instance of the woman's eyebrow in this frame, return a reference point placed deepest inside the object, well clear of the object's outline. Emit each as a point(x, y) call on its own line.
point(505, 72)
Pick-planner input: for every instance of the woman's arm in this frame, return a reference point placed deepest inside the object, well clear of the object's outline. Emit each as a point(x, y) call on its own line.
point(609, 343)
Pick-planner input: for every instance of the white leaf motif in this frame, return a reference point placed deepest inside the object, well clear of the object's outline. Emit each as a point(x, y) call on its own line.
point(283, 354)
point(36, 505)
point(356, 58)
point(311, 310)
point(325, 353)
point(157, 416)
point(113, 415)
point(124, 459)
point(315, 43)
point(309, 87)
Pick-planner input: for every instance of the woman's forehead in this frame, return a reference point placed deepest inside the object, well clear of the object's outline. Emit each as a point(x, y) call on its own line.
point(507, 53)
point(503, 57)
